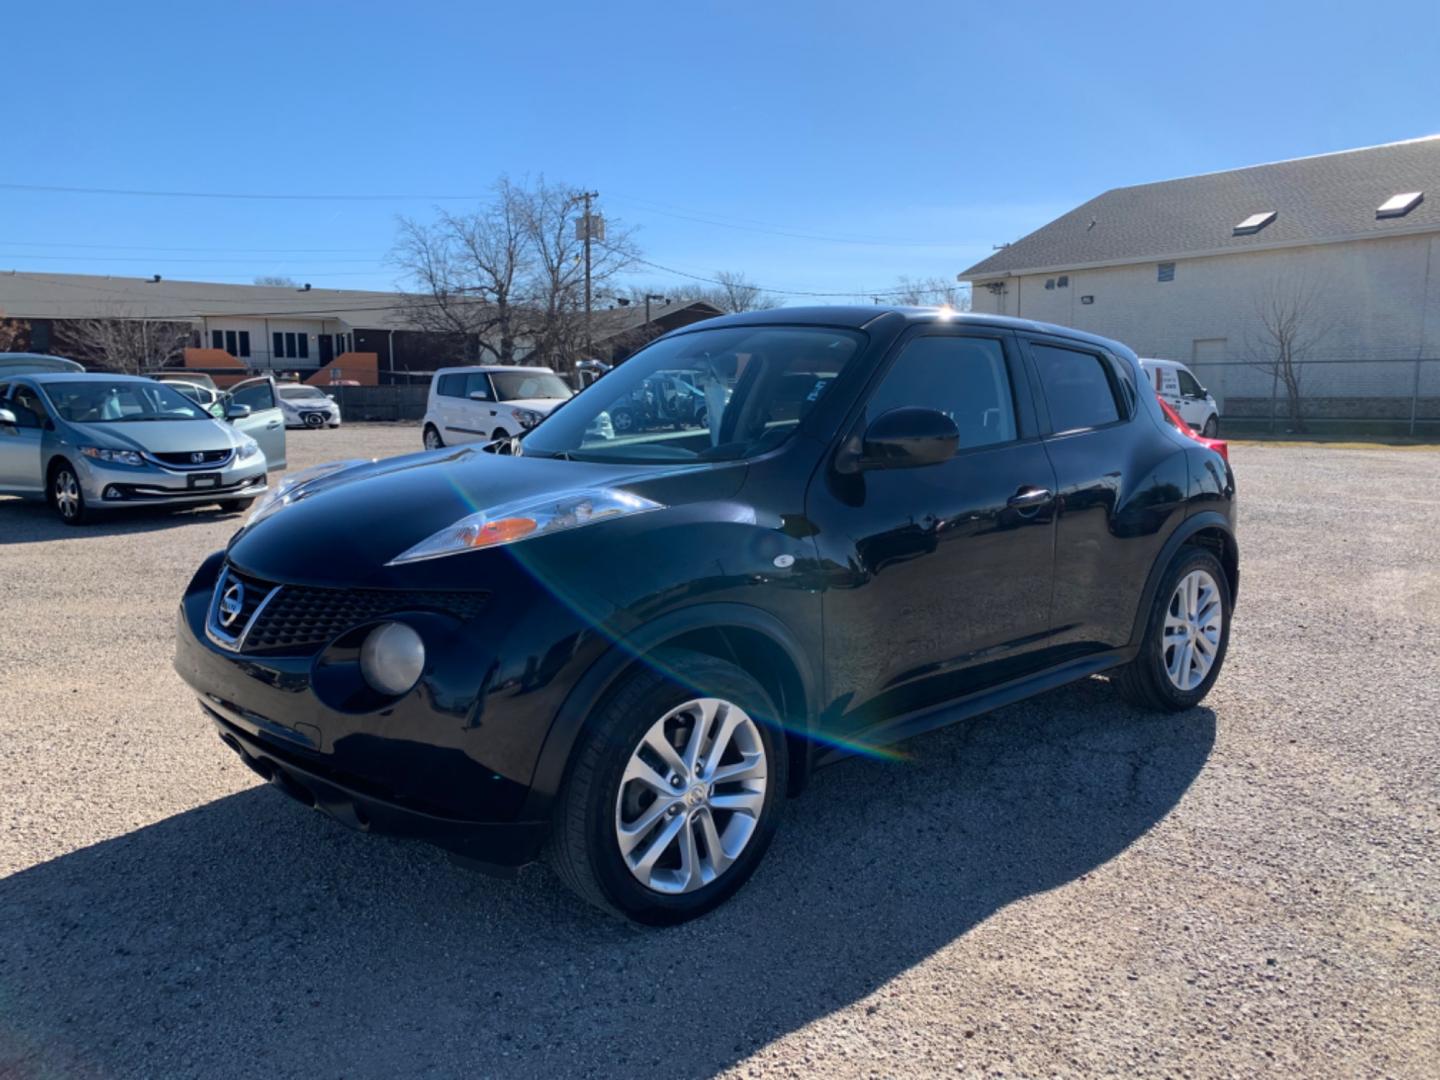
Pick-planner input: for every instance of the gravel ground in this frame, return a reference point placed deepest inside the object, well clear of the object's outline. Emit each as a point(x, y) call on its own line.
point(1064, 887)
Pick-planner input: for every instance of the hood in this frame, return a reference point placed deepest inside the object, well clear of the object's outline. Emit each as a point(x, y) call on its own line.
point(350, 523)
point(157, 436)
point(540, 405)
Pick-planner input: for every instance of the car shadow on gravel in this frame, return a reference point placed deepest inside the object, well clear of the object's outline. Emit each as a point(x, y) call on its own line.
point(250, 937)
point(25, 522)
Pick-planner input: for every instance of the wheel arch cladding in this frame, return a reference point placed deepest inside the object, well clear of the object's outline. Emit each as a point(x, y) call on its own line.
point(1209, 530)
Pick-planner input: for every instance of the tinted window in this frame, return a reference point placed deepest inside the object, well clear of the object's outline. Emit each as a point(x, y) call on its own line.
point(1188, 386)
point(525, 385)
point(965, 378)
point(217, 339)
point(477, 383)
point(451, 385)
point(278, 344)
point(1077, 388)
point(244, 342)
point(304, 342)
point(257, 395)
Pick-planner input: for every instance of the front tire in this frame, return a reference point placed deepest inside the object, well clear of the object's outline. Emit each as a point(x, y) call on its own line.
point(432, 438)
point(674, 791)
point(67, 496)
point(1186, 636)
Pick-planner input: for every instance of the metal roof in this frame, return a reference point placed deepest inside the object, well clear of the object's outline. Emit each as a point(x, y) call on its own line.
point(25, 295)
point(1322, 199)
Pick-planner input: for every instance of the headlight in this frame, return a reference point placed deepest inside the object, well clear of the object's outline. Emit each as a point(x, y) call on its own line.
point(528, 418)
point(289, 489)
point(113, 457)
point(526, 518)
point(246, 450)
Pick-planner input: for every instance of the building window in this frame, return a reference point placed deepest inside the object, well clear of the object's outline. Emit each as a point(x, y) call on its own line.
point(231, 345)
point(277, 348)
point(1063, 281)
point(1050, 283)
point(244, 343)
point(217, 339)
point(1165, 272)
point(290, 345)
point(304, 340)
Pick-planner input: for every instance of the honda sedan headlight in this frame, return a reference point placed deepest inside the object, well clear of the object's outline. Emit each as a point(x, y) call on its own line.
point(113, 457)
point(527, 518)
point(247, 450)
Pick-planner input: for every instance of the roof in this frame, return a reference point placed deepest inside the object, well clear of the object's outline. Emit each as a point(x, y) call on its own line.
point(528, 368)
point(1322, 199)
point(26, 295)
point(612, 322)
point(863, 316)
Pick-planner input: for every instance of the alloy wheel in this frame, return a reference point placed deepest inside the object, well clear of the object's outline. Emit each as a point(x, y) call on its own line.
point(691, 796)
point(67, 494)
point(432, 439)
point(1193, 624)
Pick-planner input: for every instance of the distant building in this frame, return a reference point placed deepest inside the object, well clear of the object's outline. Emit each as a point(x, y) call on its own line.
point(1178, 269)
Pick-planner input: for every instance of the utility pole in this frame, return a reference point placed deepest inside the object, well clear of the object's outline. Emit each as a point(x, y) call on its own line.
point(589, 225)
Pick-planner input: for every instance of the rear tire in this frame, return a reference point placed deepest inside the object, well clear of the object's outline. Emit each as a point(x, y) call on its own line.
point(432, 438)
point(607, 791)
point(1212, 427)
point(1170, 672)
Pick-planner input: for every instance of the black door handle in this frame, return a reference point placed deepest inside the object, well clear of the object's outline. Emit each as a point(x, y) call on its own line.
point(1028, 498)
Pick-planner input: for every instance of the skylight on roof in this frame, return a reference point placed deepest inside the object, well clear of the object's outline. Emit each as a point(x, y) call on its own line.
point(1399, 205)
point(1254, 223)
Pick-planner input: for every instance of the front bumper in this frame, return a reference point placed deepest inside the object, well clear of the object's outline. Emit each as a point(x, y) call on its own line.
point(152, 485)
point(497, 845)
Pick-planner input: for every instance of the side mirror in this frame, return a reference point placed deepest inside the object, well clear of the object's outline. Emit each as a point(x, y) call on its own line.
point(237, 412)
point(908, 438)
point(7, 418)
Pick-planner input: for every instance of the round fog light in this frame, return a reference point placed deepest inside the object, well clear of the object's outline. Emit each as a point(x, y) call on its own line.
point(392, 658)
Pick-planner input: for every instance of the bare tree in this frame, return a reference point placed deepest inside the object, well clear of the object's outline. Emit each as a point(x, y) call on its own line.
point(278, 280)
point(1291, 320)
point(509, 278)
point(736, 293)
point(14, 335)
point(121, 341)
point(929, 292)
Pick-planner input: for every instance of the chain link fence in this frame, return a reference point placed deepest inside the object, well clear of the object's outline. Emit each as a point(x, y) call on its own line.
point(1337, 396)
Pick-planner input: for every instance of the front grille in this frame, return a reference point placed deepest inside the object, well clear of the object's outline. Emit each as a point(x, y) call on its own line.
point(186, 459)
point(286, 617)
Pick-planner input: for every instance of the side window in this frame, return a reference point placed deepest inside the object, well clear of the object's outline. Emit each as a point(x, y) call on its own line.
point(477, 382)
point(451, 386)
point(25, 404)
point(1188, 386)
point(1078, 388)
point(260, 395)
point(965, 378)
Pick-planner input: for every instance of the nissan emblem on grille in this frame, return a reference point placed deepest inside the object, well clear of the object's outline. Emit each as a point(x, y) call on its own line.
point(232, 602)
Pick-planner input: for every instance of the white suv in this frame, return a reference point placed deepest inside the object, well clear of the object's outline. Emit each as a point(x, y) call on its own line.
point(1174, 382)
point(470, 404)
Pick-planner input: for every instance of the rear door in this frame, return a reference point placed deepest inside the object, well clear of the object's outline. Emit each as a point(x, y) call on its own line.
point(266, 422)
point(20, 443)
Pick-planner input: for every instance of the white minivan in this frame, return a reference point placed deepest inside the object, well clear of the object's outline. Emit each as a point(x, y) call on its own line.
point(1174, 382)
point(480, 404)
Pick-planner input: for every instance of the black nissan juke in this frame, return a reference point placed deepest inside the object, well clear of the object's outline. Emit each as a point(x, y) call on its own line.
point(624, 652)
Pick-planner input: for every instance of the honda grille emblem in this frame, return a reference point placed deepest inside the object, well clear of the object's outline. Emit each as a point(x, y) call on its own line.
point(232, 602)
point(197, 458)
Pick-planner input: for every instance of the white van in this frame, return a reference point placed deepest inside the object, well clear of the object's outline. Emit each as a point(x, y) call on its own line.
point(480, 404)
point(1174, 382)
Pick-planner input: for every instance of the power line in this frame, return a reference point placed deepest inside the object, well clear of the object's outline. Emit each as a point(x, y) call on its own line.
point(772, 289)
point(167, 259)
point(145, 247)
point(257, 196)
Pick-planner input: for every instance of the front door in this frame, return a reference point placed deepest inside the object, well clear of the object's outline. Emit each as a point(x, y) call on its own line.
point(327, 349)
point(266, 423)
point(940, 575)
point(20, 443)
point(1194, 408)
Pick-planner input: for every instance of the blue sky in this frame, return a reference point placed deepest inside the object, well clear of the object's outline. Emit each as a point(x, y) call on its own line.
point(899, 139)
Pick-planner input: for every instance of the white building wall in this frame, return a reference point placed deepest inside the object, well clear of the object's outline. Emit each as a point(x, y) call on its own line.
point(1380, 301)
point(262, 331)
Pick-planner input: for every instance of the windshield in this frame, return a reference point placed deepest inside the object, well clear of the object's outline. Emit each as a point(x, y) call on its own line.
point(523, 385)
point(107, 401)
point(302, 392)
point(711, 395)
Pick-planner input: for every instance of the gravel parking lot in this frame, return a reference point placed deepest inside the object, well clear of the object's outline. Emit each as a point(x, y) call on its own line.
point(1067, 886)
